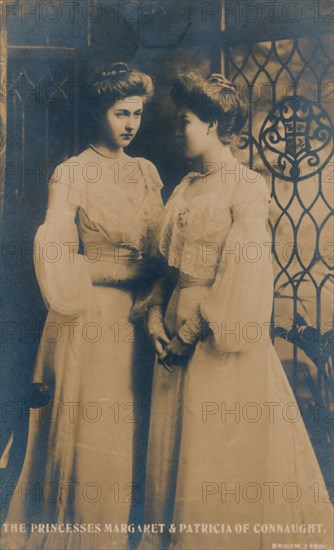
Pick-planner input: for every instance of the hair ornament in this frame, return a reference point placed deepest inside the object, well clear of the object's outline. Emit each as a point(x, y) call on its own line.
point(104, 81)
point(118, 81)
point(226, 85)
point(115, 70)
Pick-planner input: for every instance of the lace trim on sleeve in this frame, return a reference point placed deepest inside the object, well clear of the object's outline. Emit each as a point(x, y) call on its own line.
point(155, 321)
point(192, 329)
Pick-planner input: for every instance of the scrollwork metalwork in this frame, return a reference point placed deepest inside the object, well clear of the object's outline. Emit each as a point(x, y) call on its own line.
point(294, 138)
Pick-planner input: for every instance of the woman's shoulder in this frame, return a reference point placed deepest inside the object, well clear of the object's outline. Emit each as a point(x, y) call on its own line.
point(149, 170)
point(148, 164)
point(251, 187)
point(65, 171)
point(180, 187)
point(69, 175)
point(77, 168)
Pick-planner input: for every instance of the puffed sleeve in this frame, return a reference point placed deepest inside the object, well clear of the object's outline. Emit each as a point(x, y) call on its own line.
point(62, 273)
point(236, 309)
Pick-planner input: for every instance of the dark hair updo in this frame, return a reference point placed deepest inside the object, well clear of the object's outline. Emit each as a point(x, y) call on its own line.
point(212, 98)
point(118, 82)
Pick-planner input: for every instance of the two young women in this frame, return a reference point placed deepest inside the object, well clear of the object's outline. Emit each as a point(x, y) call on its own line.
point(204, 466)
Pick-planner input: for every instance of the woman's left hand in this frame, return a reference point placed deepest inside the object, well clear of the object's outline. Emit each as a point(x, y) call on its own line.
point(177, 351)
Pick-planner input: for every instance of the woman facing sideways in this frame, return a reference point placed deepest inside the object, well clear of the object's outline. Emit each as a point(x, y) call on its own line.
point(85, 452)
point(227, 468)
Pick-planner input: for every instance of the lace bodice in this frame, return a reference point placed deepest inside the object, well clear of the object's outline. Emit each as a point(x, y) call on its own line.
point(109, 214)
point(193, 233)
point(118, 225)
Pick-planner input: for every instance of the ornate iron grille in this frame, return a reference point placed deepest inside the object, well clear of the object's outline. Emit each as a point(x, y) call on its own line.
point(289, 84)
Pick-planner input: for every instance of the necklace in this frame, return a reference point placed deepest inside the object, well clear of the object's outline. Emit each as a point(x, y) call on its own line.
point(102, 154)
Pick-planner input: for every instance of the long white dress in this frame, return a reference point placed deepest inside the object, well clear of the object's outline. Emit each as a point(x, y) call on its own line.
point(230, 464)
point(86, 450)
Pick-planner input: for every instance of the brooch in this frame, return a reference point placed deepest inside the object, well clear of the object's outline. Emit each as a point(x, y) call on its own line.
point(182, 217)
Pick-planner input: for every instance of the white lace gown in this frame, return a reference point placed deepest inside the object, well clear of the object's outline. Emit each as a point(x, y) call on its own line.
point(230, 464)
point(84, 461)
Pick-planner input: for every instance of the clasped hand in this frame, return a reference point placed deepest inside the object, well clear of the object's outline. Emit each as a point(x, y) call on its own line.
point(170, 352)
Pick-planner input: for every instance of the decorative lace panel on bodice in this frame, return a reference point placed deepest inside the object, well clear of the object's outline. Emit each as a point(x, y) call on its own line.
point(193, 233)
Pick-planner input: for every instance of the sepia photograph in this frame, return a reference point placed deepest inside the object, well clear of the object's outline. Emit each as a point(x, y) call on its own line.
point(167, 284)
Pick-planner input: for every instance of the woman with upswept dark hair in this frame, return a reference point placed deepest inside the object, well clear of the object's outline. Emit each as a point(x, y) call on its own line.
point(85, 453)
point(230, 464)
